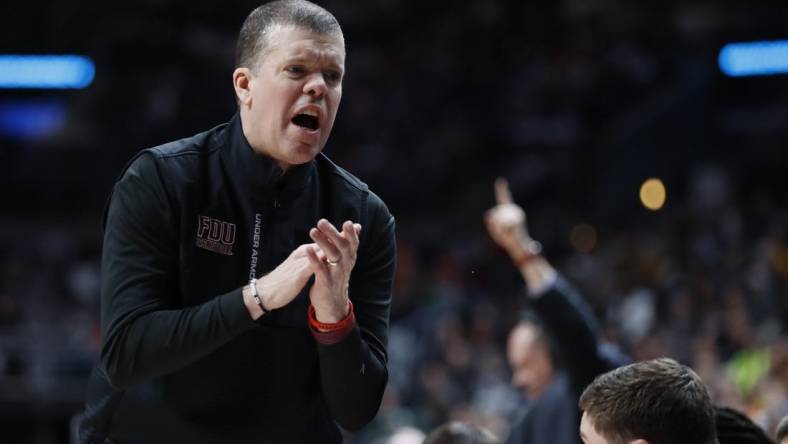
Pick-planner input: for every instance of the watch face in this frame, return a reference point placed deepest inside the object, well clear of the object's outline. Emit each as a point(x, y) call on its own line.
point(534, 247)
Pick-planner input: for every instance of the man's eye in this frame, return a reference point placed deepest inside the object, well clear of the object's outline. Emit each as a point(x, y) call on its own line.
point(296, 70)
point(332, 76)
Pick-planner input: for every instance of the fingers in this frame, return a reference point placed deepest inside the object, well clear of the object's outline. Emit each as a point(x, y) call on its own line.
point(494, 228)
point(330, 250)
point(334, 243)
point(319, 251)
point(502, 193)
point(350, 231)
point(332, 234)
point(317, 263)
point(302, 250)
point(489, 222)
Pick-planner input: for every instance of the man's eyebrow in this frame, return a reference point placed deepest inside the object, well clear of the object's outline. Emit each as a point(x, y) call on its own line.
point(300, 58)
point(309, 57)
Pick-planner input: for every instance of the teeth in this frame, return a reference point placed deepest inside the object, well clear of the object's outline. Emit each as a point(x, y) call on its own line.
point(310, 112)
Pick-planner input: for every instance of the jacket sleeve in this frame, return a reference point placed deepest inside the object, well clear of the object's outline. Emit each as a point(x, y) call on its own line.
point(571, 324)
point(145, 333)
point(354, 371)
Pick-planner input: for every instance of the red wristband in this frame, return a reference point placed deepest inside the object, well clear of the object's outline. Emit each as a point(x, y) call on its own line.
point(322, 327)
point(523, 260)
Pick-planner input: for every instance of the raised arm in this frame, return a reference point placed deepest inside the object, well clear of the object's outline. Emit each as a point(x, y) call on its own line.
point(566, 316)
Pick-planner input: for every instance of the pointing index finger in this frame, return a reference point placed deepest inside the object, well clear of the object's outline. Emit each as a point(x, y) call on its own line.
point(502, 194)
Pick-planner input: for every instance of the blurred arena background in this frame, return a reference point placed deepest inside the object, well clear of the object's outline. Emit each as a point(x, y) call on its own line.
point(576, 102)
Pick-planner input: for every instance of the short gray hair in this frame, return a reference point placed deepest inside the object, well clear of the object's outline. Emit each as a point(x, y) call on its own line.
point(253, 38)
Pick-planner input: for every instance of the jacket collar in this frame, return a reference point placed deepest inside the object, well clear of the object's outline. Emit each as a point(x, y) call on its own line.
point(259, 174)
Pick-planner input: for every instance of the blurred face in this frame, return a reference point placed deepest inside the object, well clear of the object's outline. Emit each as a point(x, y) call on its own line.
point(532, 369)
point(289, 100)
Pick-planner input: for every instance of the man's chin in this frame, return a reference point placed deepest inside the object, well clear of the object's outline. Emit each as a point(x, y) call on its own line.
point(302, 153)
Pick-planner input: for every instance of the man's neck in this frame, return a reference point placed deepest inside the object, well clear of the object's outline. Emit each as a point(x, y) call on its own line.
point(247, 130)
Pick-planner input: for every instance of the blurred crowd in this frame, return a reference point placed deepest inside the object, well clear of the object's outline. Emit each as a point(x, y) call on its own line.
point(576, 102)
point(706, 286)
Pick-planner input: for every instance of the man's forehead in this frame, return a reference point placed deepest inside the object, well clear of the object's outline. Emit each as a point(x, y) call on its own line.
point(307, 50)
point(525, 334)
point(295, 42)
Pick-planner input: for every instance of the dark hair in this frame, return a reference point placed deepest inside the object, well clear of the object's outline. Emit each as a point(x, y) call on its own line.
point(456, 432)
point(782, 429)
point(253, 38)
point(659, 400)
point(733, 427)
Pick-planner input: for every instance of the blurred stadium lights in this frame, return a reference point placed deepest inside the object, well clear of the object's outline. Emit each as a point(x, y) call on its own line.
point(583, 237)
point(754, 58)
point(31, 119)
point(46, 71)
point(653, 194)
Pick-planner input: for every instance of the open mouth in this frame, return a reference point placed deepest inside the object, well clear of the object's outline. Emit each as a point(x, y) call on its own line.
point(307, 121)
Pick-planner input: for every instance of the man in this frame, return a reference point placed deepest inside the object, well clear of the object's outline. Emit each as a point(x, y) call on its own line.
point(246, 279)
point(650, 402)
point(563, 331)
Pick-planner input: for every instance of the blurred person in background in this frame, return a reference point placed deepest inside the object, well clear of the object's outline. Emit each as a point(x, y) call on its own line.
point(191, 354)
point(650, 402)
point(555, 353)
point(457, 432)
point(734, 427)
point(782, 431)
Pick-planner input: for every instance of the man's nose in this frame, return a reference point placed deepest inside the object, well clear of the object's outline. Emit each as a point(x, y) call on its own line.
point(315, 85)
point(519, 381)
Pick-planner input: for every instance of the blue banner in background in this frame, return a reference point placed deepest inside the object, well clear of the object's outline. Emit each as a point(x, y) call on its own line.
point(46, 71)
point(754, 58)
point(31, 119)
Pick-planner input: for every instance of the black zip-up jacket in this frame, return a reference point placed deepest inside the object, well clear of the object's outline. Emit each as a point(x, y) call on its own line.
point(181, 359)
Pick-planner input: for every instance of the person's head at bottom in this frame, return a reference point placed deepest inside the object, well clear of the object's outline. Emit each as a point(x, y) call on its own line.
point(651, 402)
point(457, 432)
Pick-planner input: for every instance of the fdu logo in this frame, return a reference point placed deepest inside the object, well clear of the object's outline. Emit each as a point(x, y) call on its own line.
point(215, 235)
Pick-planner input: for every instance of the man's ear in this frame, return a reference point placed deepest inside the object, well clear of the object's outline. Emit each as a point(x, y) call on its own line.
point(242, 80)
